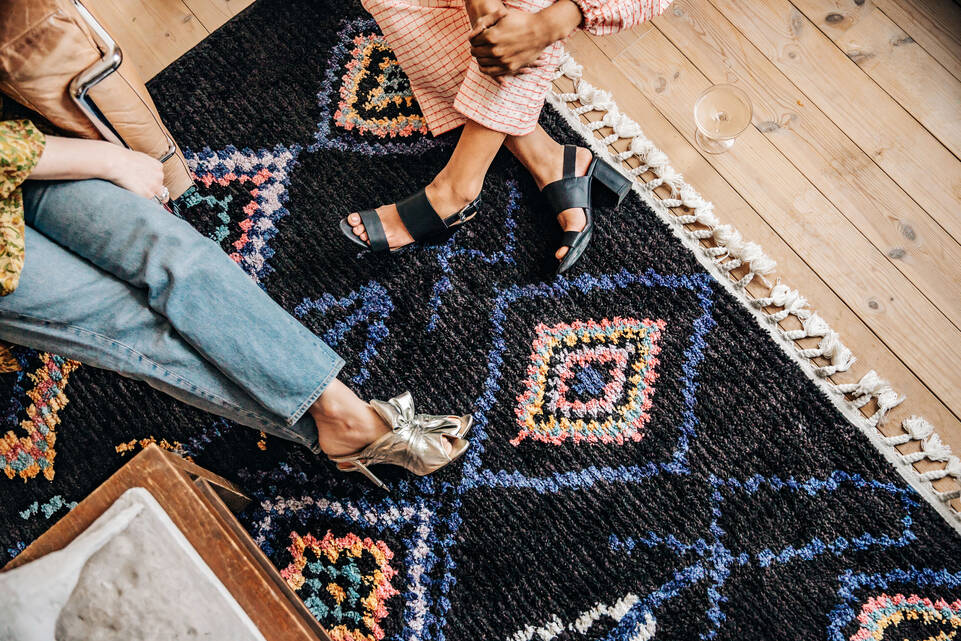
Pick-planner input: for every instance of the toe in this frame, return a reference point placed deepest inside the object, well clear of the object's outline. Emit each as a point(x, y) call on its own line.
point(562, 252)
point(363, 236)
point(354, 219)
point(448, 445)
point(358, 230)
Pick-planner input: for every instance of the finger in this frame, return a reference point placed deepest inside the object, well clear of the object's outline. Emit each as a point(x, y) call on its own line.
point(479, 34)
point(482, 51)
point(480, 38)
point(485, 22)
point(497, 73)
point(489, 62)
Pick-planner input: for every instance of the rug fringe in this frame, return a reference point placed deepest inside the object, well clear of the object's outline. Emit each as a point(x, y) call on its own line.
point(730, 252)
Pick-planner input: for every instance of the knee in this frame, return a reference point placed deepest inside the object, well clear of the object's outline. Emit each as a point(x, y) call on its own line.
point(175, 250)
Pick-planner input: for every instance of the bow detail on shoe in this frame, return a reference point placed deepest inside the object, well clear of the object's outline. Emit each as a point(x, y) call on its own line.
point(416, 442)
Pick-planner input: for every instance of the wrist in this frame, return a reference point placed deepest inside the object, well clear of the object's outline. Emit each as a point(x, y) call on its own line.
point(111, 160)
point(560, 20)
point(478, 8)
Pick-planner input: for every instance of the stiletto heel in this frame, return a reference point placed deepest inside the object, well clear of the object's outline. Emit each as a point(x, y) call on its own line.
point(357, 466)
point(415, 442)
point(610, 186)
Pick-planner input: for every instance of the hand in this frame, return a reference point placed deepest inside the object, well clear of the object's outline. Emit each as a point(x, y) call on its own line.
point(136, 172)
point(506, 41)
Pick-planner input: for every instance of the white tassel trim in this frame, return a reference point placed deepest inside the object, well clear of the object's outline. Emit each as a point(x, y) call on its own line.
point(731, 251)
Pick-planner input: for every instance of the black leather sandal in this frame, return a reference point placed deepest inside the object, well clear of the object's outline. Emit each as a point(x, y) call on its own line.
point(418, 216)
point(602, 185)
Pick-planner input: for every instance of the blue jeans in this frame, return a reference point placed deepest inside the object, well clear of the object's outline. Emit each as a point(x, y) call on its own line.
point(113, 280)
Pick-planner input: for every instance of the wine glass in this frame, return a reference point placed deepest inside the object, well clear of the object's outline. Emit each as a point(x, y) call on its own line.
point(721, 113)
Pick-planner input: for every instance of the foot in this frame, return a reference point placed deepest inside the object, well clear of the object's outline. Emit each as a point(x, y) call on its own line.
point(346, 424)
point(446, 199)
point(548, 167)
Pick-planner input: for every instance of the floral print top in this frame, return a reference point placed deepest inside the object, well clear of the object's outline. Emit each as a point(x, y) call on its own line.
point(21, 145)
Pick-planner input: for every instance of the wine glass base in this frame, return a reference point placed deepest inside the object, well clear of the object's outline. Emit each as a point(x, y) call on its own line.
point(712, 145)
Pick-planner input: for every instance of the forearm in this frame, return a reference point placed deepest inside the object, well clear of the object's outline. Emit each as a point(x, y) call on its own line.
point(560, 20)
point(76, 159)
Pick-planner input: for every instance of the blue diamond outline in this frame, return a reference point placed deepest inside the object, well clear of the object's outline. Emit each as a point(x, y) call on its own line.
point(474, 475)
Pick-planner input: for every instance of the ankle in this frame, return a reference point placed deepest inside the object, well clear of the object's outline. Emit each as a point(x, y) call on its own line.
point(534, 150)
point(458, 192)
point(345, 425)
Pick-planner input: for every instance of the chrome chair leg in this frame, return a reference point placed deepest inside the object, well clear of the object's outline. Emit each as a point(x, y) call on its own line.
point(81, 85)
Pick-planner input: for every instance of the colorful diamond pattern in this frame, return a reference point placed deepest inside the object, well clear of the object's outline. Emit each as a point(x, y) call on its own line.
point(373, 83)
point(590, 381)
point(345, 584)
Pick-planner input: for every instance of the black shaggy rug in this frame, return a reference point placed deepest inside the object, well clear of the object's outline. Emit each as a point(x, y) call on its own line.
point(646, 461)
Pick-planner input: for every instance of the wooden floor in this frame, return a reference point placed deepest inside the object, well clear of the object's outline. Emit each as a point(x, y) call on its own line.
point(850, 177)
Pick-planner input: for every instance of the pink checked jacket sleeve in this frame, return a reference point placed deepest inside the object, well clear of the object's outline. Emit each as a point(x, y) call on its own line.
point(604, 17)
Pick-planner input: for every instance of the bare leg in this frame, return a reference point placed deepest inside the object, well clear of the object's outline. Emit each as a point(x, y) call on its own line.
point(457, 184)
point(346, 424)
point(544, 158)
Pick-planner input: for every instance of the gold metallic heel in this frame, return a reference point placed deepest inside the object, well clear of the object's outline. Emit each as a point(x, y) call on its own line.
point(415, 442)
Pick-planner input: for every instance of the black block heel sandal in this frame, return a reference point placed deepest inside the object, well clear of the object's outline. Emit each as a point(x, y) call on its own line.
point(602, 186)
point(418, 216)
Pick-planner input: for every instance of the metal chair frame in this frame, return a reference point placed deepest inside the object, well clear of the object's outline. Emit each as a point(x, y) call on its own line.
point(87, 79)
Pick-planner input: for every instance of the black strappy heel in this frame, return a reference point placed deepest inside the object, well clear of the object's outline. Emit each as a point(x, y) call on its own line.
point(418, 216)
point(602, 186)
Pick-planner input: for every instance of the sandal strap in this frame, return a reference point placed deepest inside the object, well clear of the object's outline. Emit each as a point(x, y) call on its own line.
point(465, 214)
point(570, 161)
point(569, 193)
point(568, 238)
point(376, 236)
point(419, 217)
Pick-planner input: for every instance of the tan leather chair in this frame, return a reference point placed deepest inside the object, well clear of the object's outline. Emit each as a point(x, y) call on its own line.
point(56, 59)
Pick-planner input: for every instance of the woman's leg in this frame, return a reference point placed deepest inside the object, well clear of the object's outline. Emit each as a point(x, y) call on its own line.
point(66, 305)
point(544, 158)
point(457, 184)
point(429, 38)
point(156, 301)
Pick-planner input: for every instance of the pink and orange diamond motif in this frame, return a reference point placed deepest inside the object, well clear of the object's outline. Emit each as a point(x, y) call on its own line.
point(345, 582)
point(265, 175)
point(373, 82)
point(909, 618)
point(33, 453)
point(589, 381)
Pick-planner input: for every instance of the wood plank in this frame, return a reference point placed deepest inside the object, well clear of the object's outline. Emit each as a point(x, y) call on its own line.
point(898, 313)
point(266, 569)
point(214, 13)
point(895, 61)
point(865, 195)
point(151, 33)
point(934, 24)
point(923, 167)
point(734, 210)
